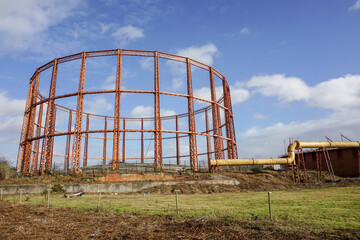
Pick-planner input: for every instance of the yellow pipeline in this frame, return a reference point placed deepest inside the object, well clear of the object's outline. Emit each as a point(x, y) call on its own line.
point(291, 154)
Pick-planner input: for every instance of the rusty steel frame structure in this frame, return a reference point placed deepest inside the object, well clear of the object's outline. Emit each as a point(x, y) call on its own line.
point(35, 134)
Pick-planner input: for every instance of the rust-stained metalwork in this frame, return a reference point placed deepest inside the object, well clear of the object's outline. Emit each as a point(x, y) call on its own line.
point(157, 119)
point(35, 156)
point(116, 141)
point(178, 162)
point(105, 142)
point(75, 160)
point(215, 118)
point(86, 148)
point(191, 118)
point(123, 142)
point(49, 124)
point(142, 141)
point(68, 140)
point(32, 137)
point(208, 144)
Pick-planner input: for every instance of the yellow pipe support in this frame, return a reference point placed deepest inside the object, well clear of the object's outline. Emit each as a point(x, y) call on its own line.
point(291, 154)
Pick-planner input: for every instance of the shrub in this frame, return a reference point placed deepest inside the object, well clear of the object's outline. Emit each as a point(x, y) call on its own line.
point(57, 188)
point(5, 168)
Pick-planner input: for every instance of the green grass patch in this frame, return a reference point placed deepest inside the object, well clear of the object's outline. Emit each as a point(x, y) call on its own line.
point(328, 208)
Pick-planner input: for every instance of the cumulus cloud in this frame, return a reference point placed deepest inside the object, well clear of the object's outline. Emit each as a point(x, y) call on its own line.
point(22, 22)
point(147, 63)
point(11, 116)
point(177, 83)
point(204, 54)
point(259, 116)
point(142, 111)
point(356, 6)
point(244, 31)
point(11, 106)
point(127, 34)
point(98, 105)
point(337, 93)
point(148, 111)
point(238, 94)
point(287, 89)
point(269, 141)
point(105, 27)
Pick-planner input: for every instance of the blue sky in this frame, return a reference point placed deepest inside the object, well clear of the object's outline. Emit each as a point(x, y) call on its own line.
point(293, 66)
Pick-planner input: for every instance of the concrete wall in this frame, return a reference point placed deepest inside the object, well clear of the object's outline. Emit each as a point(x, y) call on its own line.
point(124, 187)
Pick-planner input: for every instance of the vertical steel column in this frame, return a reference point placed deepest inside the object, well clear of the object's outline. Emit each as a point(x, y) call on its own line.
point(30, 126)
point(24, 128)
point(47, 140)
point(208, 144)
point(68, 140)
point(105, 142)
point(75, 160)
point(123, 143)
point(116, 141)
point(229, 134)
point(219, 126)
point(191, 119)
point(142, 140)
point(51, 146)
point(235, 153)
point(217, 148)
point(157, 118)
point(178, 162)
point(37, 141)
point(86, 147)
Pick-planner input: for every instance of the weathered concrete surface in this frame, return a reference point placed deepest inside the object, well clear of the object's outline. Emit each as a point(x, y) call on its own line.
point(139, 177)
point(123, 187)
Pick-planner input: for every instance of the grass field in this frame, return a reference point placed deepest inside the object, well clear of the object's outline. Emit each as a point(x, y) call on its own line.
point(328, 208)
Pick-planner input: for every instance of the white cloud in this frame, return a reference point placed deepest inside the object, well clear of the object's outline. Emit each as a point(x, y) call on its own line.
point(167, 112)
point(22, 22)
point(147, 63)
point(11, 116)
point(148, 111)
point(287, 89)
point(269, 141)
point(142, 111)
point(204, 54)
point(244, 31)
point(238, 94)
point(125, 35)
point(205, 93)
point(11, 106)
point(259, 116)
point(98, 105)
point(356, 6)
point(337, 93)
point(177, 83)
point(105, 27)
point(109, 83)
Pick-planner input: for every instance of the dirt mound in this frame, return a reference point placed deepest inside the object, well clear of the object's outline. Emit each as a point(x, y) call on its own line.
point(38, 222)
point(265, 180)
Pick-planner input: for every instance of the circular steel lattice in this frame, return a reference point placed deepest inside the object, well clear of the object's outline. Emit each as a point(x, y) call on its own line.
point(40, 125)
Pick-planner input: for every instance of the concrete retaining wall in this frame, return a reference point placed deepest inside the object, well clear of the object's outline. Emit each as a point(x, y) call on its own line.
point(124, 187)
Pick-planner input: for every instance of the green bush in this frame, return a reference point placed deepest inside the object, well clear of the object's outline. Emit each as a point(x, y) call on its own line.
point(6, 171)
point(57, 188)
